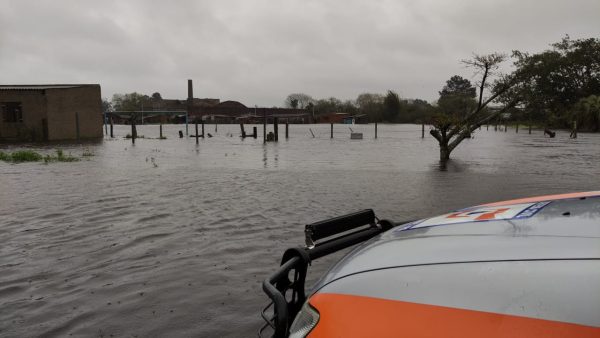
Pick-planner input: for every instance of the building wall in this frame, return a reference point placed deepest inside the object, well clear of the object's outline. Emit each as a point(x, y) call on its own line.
point(64, 103)
point(33, 104)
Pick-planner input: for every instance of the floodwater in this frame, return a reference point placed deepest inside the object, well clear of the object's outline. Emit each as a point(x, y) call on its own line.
point(170, 239)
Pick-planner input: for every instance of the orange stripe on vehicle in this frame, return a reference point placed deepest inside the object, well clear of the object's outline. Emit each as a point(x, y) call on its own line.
point(359, 316)
point(544, 198)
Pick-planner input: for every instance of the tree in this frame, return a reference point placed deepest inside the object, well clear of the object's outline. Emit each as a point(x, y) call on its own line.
point(298, 100)
point(156, 96)
point(391, 106)
point(371, 105)
point(457, 97)
point(587, 112)
point(129, 102)
point(451, 129)
point(554, 81)
point(328, 106)
point(106, 105)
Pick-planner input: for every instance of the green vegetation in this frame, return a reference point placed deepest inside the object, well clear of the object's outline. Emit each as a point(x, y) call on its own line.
point(559, 85)
point(21, 156)
point(60, 157)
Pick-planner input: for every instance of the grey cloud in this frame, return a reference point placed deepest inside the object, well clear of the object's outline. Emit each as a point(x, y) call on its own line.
point(259, 51)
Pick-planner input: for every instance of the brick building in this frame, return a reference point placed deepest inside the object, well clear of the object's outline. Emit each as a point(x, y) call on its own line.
point(50, 112)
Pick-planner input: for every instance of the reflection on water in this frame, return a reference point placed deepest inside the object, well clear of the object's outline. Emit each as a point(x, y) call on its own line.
point(166, 238)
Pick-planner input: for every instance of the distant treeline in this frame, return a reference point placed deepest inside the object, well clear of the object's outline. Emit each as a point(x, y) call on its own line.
point(555, 88)
point(387, 107)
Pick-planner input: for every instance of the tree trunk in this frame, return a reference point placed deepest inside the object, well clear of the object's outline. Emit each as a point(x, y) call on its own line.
point(444, 152)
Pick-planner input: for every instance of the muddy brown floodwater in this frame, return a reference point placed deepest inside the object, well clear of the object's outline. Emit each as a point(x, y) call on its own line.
point(169, 239)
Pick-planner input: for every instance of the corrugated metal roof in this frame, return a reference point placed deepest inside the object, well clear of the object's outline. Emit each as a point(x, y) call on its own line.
point(42, 87)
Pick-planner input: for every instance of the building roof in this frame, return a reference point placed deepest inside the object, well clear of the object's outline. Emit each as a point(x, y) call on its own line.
point(231, 104)
point(43, 87)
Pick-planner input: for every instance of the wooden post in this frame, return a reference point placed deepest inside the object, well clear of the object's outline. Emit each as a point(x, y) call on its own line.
point(505, 127)
point(161, 135)
point(287, 130)
point(375, 129)
point(243, 131)
point(196, 132)
point(105, 124)
point(133, 131)
point(530, 128)
point(111, 128)
point(216, 125)
point(422, 130)
point(331, 129)
point(496, 127)
point(574, 131)
point(517, 128)
point(254, 134)
point(276, 128)
point(487, 127)
point(77, 125)
point(202, 129)
point(265, 126)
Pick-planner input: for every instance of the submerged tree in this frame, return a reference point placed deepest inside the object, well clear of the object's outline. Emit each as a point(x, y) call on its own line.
point(451, 127)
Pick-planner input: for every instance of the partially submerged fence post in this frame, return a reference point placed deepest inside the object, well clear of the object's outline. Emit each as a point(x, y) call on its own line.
point(77, 125)
point(505, 127)
point(517, 128)
point(105, 124)
point(196, 132)
point(133, 131)
point(276, 128)
point(422, 130)
point(111, 128)
point(202, 129)
point(487, 127)
point(264, 126)
point(161, 135)
point(287, 130)
point(216, 124)
point(529, 127)
point(331, 129)
point(243, 131)
point(574, 131)
point(254, 129)
point(375, 129)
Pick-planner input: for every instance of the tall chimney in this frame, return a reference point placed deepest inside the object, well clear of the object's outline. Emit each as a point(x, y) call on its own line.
point(190, 91)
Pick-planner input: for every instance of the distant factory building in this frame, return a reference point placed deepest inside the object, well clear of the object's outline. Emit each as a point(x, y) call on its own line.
point(50, 112)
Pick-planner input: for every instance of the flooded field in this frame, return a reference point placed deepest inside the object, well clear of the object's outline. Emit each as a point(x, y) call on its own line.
point(170, 239)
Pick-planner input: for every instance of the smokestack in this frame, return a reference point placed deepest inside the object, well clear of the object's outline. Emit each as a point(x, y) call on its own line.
point(190, 91)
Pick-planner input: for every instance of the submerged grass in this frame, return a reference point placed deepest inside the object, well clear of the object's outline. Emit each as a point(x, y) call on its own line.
point(21, 156)
point(60, 157)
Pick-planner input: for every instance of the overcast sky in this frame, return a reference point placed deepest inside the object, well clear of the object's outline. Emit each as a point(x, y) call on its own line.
point(259, 51)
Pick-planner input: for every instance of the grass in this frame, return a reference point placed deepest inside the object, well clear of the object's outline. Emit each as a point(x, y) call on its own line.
point(21, 156)
point(60, 157)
